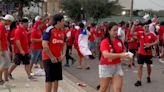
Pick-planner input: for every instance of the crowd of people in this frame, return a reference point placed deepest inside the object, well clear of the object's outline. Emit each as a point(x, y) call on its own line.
point(48, 41)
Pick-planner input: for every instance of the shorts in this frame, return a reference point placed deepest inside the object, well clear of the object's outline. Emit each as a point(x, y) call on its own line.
point(110, 70)
point(53, 71)
point(19, 58)
point(36, 56)
point(160, 43)
point(144, 59)
point(133, 51)
point(5, 60)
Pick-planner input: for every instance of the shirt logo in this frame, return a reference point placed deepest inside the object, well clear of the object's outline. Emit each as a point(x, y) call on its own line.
point(119, 44)
point(149, 37)
point(54, 41)
point(111, 50)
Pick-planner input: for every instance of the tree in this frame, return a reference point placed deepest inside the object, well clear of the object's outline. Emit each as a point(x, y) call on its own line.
point(19, 4)
point(72, 8)
point(91, 8)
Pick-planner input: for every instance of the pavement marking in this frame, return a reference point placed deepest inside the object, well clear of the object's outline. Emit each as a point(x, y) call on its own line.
point(160, 60)
point(135, 71)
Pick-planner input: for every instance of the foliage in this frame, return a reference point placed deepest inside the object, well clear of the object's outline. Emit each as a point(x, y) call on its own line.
point(22, 3)
point(90, 8)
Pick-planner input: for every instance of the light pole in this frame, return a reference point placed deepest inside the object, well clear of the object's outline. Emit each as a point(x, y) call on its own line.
point(131, 10)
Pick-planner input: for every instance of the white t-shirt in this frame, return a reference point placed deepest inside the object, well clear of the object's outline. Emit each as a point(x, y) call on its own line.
point(121, 34)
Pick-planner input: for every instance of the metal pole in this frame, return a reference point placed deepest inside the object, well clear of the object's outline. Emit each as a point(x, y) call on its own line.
point(131, 10)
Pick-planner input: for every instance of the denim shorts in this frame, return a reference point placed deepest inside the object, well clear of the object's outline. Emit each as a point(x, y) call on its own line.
point(36, 56)
point(110, 70)
point(92, 45)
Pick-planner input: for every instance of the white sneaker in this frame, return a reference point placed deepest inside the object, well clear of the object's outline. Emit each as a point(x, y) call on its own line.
point(8, 85)
point(160, 60)
point(40, 72)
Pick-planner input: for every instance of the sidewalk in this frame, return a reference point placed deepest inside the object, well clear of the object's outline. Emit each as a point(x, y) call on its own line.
point(24, 85)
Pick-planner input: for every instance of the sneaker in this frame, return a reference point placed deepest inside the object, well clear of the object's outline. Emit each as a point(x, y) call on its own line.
point(36, 66)
point(8, 85)
point(87, 68)
point(2, 82)
point(138, 83)
point(11, 77)
point(66, 65)
point(40, 72)
point(32, 78)
point(98, 87)
point(129, 66)
point(148, 80)
point(133, 64)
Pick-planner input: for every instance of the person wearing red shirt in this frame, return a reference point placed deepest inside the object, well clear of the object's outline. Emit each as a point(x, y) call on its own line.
point(11, 37)
point(147, 40)
point(21, 48)
point(54, 49)
point(112, 50)
point(92, 37)
point(76, 46)
point(132, 44)
point(4, 53)
point(161, 40)
point(69, 42)
point(36, 46)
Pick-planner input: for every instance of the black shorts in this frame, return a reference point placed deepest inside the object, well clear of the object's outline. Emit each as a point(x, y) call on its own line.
point(160, 43)
point(53, 71)
point(144, 59)
point(133, 51)
point(19, 58)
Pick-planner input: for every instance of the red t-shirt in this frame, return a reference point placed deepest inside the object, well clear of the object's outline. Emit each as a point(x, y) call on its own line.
point(3, 37)
point(56, 42)
point(139, 31)
point(69, 36)
point(93, 35)
point(105, 45)
point(100, 34)
point(146, 39)
point(36, 34)
point(161, 31)
point(44, 26)
point(21, 35)
point(134, 44)
point(11, 36)
point(76, 38)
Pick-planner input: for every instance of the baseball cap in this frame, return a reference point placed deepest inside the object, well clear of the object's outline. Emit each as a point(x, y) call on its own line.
point(37, 18)
point(8, 17)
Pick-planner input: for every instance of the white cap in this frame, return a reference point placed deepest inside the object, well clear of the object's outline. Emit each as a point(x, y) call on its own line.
point(37, 18)
point(8, 17)
point(146, 17)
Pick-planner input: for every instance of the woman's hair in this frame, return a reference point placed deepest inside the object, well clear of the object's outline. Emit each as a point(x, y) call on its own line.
point(13, 25)
point(81, 25)
point(109, 27)
point(107, 35)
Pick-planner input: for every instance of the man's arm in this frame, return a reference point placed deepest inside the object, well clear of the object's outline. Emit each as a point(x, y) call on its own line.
point(47, 50)
point(36, 40)
point(18, 44)
point(0, 48)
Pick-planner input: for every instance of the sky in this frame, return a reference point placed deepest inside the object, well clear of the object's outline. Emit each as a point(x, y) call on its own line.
point(149, 4)
point(144, 4)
